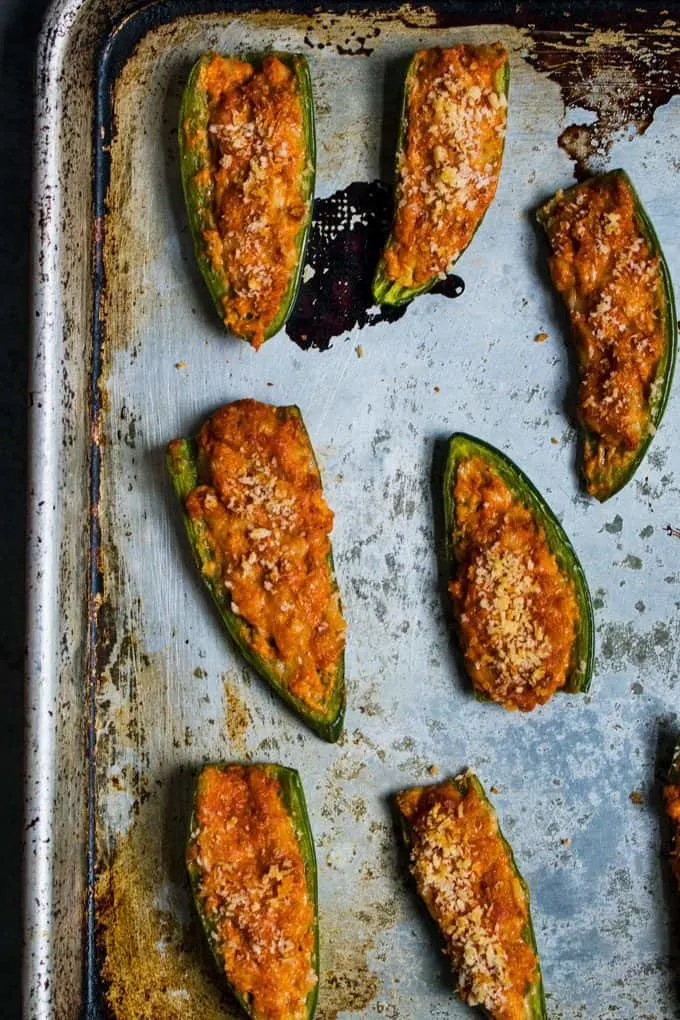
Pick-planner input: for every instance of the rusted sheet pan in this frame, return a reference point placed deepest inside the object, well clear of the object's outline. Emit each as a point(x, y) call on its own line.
point(131, 682)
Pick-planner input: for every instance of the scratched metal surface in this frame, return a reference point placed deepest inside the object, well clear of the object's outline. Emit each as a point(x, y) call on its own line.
point(169, 693)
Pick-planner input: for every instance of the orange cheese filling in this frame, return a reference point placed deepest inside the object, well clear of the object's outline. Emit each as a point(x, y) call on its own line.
point(269, 527)
point(450, 161)
point(671, 796)
point(516, 610)
point(258, 151)
point(463, 873)
point(253, 891)
point(611, 283)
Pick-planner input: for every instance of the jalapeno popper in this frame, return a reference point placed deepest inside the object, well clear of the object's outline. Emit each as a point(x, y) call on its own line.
point(247, 154)
point(449, 155)
point(252, 867)
point(466, 875)
point(671, 796)
point(259, 529)
point(520, 599)
point(606, 263)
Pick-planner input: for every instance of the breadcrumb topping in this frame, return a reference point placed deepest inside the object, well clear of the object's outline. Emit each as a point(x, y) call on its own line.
point(602, 265)
point(463, 874)
point(516, 609)
point(268, 526)
point(252, 889)
point(449, 166)
point(257, 146)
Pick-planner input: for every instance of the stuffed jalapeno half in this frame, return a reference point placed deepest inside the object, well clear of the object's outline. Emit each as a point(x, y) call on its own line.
point(671, 797)
point(449, 153)
point(466, 875)
point(259, 528)
point(252, 868)
point(606, 263)
point(521, 603)
point(247, 159)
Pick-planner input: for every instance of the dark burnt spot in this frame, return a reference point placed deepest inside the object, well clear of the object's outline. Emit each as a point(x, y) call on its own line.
point(322, 35)
point(621, 76)
point(347, 236)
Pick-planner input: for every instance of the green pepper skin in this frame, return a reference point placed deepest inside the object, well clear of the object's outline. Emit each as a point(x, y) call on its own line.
point(183, 467)
point(293, 798)
point(461, 447)
point(674, 770)
point(606, 485)
point(389, 292)
point(534, 1000)
point(196, 157)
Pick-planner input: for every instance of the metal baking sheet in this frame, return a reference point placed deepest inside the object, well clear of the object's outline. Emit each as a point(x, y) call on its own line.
point(131, 682)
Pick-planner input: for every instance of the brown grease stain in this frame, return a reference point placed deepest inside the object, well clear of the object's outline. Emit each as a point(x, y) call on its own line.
point(237, 718)
point(121, 666)
point(622, 76)
point(347, 982)
point(152, 964)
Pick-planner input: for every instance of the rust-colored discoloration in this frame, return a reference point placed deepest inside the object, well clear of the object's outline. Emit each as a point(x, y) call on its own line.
point(621, 75)
point(151, 964)
point(237, 718)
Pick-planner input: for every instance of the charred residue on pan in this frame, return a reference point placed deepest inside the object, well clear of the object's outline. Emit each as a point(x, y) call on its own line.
point(621, 75)
point(357, 41)
point(348, 233)
point(356, 32)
